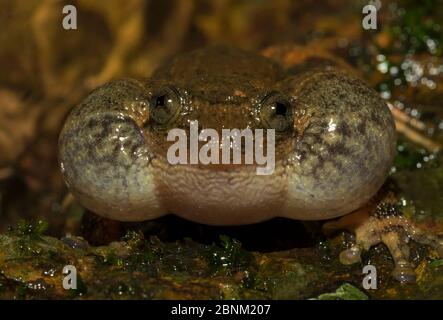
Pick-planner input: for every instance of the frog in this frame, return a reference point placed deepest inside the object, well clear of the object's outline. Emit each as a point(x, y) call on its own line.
point(335, 142)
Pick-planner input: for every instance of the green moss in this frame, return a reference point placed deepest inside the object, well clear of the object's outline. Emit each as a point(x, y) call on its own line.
point(32, 230)
point(409, 157)
point(227, 257)
point(151, 269)
point(141, 261)
point(420, 192)
point(287, 278)
point(111, 259)
point(417, 26)
point(134, 239)
point(134, 253)
point(415, 30)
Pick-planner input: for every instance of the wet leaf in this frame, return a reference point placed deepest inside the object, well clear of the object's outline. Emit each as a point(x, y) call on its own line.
point(344, 292)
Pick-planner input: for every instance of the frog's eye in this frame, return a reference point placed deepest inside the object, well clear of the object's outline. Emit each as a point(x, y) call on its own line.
point(276, 112)
point(165, 105)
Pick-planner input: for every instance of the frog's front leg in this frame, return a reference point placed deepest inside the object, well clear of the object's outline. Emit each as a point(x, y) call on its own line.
point(383, 223)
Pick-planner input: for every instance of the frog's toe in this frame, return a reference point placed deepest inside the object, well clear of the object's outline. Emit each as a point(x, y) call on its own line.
point(404, 272)
point(386, 225)
point(350, 256)
point(397, 243)
point(426, 238)
point(399, 249)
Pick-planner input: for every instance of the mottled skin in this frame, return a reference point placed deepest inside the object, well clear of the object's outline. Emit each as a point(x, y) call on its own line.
point(335, 145)
point(332, 158)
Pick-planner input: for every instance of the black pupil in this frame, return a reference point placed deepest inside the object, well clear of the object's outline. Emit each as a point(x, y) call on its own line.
point(160, 101)
point(280, 109)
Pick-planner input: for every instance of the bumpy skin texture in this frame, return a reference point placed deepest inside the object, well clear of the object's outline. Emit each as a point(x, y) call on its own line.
point(331, 160)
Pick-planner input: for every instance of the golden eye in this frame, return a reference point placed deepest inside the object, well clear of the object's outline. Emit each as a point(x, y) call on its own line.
point(165, 106)
point(276, 112)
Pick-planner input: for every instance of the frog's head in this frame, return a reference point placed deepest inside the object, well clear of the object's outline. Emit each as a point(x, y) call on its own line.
point(334, 142)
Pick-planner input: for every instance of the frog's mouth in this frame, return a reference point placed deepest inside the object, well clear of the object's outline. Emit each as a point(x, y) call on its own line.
point(220, 149)
point(212, 196)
